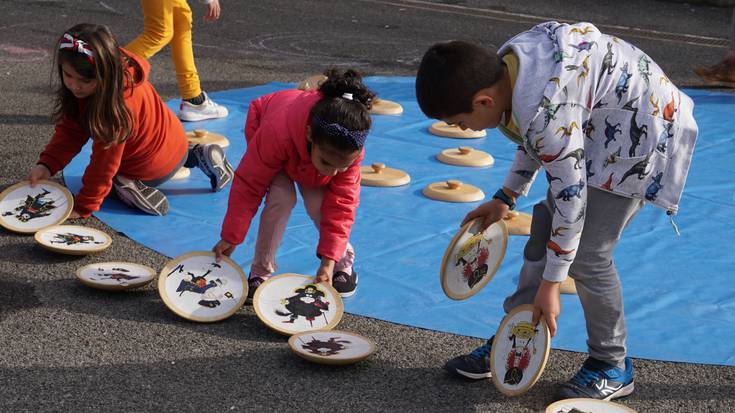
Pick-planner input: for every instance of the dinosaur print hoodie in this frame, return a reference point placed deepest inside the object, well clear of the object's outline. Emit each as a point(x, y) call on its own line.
point(595, 111)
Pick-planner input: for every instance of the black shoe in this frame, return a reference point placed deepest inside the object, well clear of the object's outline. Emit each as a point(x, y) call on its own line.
point(475, 365)
point(253, 284)
point(598, 380)
point(139, 195)
point(345, 284)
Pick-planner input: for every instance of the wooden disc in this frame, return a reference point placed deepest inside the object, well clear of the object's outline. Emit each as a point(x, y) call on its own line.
point(204, 136)
point(73, 239)
point(519, 223)
point(453, 191)
point(197, 288)
point(568, 286)
point(311, 82)
point(472, 259)
point(331, 347)
point(452, 131)
point(115, 276)
point(292, 303)
point(182, 173)
point(587, 405)
point(378, 174)
point(26, 210)
point(521, 346)
point(465, 156)
point(386, 107)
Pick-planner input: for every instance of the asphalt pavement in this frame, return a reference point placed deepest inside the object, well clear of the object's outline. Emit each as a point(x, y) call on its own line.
point(66, 347)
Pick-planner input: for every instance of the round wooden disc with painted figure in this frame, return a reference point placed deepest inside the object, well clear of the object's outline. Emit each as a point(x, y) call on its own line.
point(182, 173)
point(453, 191)
point(204, 136)
point(465, 156)
point(472, 259)
point(378, 174)
point(451, 131)
point(311, 82)
point(587, 406)
point(197, 288)
point(73, 239)
point(115, 276)
point(293, 303)
point(331, 347)
point(519, 352)
point(519, 223)
point(26, 210)
point(385, 107)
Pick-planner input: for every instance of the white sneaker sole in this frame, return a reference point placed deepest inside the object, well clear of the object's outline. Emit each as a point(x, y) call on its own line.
point(624, 391)
point(474, 376)
point(193, 115)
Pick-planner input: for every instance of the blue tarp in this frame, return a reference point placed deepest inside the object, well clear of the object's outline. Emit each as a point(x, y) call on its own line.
point(679, 292)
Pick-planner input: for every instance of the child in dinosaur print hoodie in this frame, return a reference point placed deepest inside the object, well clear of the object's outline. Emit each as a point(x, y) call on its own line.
point(610, 131)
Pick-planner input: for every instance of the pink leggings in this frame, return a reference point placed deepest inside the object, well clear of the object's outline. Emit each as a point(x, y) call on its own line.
point(279, 202)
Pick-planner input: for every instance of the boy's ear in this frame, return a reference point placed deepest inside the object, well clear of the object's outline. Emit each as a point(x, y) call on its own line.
point(483, 99)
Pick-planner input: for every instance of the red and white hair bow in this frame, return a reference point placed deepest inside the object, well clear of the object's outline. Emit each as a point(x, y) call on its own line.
point(70, 42)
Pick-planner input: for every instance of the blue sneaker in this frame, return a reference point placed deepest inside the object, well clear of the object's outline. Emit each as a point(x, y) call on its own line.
point(598, 380)
point(475, 365)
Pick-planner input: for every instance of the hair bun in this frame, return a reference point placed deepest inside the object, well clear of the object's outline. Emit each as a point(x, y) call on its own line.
point(347, 83)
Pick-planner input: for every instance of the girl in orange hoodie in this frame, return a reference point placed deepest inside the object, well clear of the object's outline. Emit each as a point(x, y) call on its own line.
point(138, 143)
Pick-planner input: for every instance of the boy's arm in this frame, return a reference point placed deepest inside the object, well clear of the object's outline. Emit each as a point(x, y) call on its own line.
point(522, 173)
point(562, 156)
point(558, 144)
point(341, 198)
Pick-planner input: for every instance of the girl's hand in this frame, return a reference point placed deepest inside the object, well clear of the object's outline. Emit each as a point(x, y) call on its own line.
point(547, 304)
point(38, 173)
point(491, 212)
point(213, 11)
point(325, 271)
point(222, 248)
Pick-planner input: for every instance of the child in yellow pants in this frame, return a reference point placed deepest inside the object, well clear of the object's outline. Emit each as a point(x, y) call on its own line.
point(169, 21)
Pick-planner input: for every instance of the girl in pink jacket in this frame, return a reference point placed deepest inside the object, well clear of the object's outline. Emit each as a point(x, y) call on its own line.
point(314, 138)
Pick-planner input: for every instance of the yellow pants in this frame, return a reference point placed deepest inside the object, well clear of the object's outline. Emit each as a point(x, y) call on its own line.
point(164, 22)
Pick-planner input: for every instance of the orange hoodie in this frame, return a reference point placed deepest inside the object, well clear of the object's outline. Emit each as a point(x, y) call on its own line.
point(156, 145)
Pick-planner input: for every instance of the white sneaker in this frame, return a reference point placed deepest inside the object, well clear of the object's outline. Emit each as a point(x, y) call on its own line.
point(190, 112)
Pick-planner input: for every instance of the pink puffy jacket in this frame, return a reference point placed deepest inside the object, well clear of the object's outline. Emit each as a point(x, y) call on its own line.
point(275, 131)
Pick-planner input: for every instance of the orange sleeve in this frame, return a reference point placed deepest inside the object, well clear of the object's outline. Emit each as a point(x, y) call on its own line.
point(97, 178)
point(68, 139)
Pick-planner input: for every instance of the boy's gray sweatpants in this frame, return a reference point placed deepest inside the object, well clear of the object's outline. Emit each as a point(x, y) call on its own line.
point(593, 271)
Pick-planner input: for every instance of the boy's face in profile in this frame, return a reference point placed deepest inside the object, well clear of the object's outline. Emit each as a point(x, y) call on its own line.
point(486, 113)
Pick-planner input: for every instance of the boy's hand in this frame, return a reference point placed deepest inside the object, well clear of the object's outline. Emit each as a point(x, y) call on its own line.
point(325, 271)
point(213, 11)
point(547, 304)
point(38, 173)
point(491, 212)
point(222, 248)
point(74, 215)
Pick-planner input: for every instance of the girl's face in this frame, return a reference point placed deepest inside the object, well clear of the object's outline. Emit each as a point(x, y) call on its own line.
point(330, 162)
point(80, 86)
